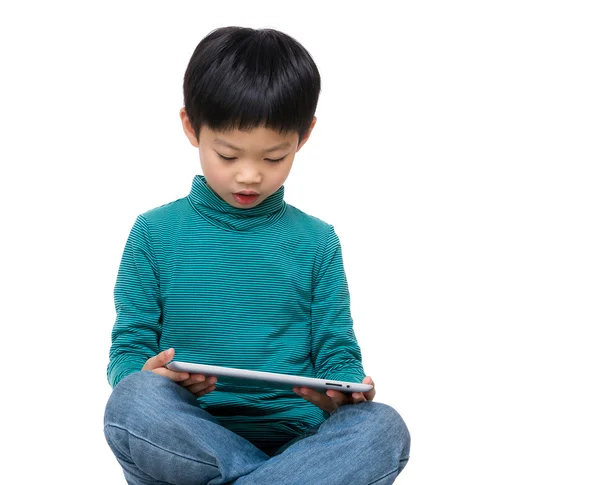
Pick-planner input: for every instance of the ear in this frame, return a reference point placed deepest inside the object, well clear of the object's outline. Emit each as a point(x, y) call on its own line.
point(307, 136)
point(187, 128)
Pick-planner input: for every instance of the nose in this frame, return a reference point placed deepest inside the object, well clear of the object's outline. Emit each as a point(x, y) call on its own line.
point(248, 174)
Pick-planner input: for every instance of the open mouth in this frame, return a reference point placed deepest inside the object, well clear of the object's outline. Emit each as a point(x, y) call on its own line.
point(245, 198)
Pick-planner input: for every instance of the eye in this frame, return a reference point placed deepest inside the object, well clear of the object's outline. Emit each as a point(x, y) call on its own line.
point(275, 161)
point(229, 159)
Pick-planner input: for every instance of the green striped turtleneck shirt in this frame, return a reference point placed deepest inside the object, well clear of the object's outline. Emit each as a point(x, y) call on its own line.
point(260, 288)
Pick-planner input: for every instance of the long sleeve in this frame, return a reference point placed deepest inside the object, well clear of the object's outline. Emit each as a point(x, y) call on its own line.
point(138, 323)
point(335, 351)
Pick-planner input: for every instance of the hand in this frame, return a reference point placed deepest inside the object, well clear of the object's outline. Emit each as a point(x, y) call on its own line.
point(195, 383)
point(332, 400)
point(198, 385)
point(157, 365)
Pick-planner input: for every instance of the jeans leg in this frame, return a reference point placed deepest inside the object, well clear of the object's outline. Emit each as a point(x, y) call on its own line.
point(160, 435)
point(362, 444)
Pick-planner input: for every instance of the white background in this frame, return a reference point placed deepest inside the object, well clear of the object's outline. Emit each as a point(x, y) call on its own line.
point(456, 153)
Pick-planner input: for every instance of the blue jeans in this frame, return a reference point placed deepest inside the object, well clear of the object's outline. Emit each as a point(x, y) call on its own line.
point(160, 435)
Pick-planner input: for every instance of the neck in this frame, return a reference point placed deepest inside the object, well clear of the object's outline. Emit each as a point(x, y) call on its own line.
point(214, 209)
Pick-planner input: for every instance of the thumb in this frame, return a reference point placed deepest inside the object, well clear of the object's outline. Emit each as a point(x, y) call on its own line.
point(165, 356)
point(159, 360)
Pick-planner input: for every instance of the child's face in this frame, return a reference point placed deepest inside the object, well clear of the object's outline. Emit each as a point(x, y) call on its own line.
point(252, 168)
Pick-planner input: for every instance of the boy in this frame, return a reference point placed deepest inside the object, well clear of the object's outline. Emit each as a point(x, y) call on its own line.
point(231, 275)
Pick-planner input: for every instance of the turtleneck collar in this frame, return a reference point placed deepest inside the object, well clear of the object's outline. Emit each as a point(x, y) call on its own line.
point(218, 212)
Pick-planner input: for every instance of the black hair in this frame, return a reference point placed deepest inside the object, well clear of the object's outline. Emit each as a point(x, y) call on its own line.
point(242, 78)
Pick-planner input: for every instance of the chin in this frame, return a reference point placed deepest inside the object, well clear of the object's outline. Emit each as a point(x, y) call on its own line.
point(234, 203)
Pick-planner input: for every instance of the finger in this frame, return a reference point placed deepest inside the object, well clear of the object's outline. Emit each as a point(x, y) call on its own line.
point(193, 379)
point(201, 386)
point(159, 360)
point(339, 398)
point(174, 376)
point(369, 395)
point(322, 401)
point(203, 392)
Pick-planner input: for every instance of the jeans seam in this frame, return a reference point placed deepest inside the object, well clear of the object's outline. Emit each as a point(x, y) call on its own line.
point(384, 476)
point(159, 447)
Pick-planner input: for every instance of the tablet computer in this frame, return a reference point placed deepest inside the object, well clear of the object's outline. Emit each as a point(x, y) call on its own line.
point(259, 379)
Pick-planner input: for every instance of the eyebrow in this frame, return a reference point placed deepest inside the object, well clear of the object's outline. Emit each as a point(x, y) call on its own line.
point(218, 141)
